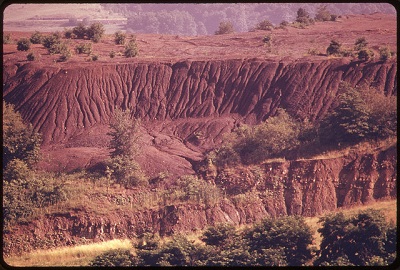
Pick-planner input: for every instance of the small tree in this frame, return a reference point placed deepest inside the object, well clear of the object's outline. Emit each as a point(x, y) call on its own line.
point(225, 27)
point(323, 14)
point(80, 31)
point(69, 33)
point(51, 40)
point(36, 38)
point(365, 54)
point(85, 48)
point(356, 240)
point(361, 43)
point(95, 32)
point(303, 17)
point(20, 141)
point(23, 44)
point(119, 38)
point(265, 25)
point(334, 48)
point(7, 39)
point(31, 56)
point(384, 53)
point(349, 121)
point(131, 49)
point(124, 146)
point(289, 236)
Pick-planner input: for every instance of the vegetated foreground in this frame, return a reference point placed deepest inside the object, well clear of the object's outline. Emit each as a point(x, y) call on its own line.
point(230, 137)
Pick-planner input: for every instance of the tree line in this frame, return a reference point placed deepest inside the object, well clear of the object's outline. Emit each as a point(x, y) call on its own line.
point(363, 239)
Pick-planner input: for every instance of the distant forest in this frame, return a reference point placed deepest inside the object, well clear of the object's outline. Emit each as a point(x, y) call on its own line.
point(204, 19)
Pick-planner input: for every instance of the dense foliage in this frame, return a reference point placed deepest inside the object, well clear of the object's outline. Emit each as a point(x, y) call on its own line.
point(24, 191)
point(362, 113)
point(93, 32)
point(363, 239)
point(272, 138)
point(20, 141)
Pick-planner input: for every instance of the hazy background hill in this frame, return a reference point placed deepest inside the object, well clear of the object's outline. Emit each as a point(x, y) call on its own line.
point(177, 19)
point(200, 19)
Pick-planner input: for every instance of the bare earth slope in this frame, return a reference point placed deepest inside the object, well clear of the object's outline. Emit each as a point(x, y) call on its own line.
point(72, 106)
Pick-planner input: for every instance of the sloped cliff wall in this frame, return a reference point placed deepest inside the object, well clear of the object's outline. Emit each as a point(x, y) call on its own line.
point(305, 187)
point(61, 102)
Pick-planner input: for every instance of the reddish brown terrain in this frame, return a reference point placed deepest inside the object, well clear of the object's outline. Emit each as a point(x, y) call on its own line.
point(189, 92)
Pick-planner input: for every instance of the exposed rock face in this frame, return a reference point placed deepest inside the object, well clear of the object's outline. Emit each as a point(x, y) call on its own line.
point(306, 187)
point(61, 103)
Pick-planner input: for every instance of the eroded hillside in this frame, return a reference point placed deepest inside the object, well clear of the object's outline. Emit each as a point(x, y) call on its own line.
point(187, 106)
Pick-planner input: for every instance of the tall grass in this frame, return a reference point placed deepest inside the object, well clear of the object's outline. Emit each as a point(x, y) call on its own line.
point(68, 256)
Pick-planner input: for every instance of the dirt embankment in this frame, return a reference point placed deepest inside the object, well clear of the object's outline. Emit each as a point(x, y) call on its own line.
point(186, 107)
point(306, 187)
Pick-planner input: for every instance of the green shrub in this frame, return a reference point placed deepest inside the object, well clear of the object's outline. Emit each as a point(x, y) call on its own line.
point(219, 234)
point(51, 40)
point(95, 32)
point(85, 48)
point(264, 25)
point(31, 57)
point(384, 53)
point(36, 38)
point(59, 48)
point(23, 44)
point(94, 57)
point(198, 190)
point(365, 54)
point(334, 48)
point(323, 14)
point(225, 27)
point(361, 43)
point(131, 49)
point(119, 38)
point(284, 23)
point(226, 156)
point(272, 138)
point(112, 54)
point(112, 258)
point(7, 39)
point(80, 31)
point(66, 54)
point(303, 17)
point(20, 141)
point(124, 148)
point(69, 33)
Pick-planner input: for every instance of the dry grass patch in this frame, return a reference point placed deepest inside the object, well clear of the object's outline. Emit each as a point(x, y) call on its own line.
point(68, 256)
